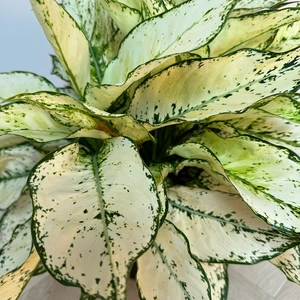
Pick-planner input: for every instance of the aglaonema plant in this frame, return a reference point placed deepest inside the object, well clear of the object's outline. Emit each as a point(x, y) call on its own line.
point(173, 146)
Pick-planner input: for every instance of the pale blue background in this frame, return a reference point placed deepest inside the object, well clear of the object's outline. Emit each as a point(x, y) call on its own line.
point(23, 46)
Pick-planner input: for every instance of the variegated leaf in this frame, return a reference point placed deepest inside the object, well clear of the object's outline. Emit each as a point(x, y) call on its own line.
point(99, 29)
point(121, 124)
point(93, 20)
point(105, 96)
point(62, 108)
point(15, 165)
point(275, 119)
point(218, 279)
point(68, 112)
point(220, 227)
point(69, 90)
point(286, 106)
point(221, 83)
point(168, 271)
point(287, 38)
point(17, 250)
point(267, 177)
point(17, 214)
point(176, 32)
point(69, 43)
point(96, 217)
point(31, 122)
point(136, 4)
point(289, 263)
point(91, 133)
point(256, 31)
point(72, 113)
point(12, 284)
point(15, 83)
point(125, 17)
point(151, 8)
point(274, 129)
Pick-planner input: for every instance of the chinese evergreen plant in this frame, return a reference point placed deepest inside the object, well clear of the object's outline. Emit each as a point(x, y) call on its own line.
point(174, 145)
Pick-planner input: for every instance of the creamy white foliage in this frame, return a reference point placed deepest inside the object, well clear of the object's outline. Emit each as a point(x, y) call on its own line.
point(218, 277)
point(167, 270)
point(257, 3)
point(15, 165)
point(16, 215)
point(68, 41)
point(125, 17)
point(12, 284)
point(15, 83)
point(225, 191)
point(248, 75)
point(269, 184)
point(289, 263)
point(105, 217)
point(169, 34)
point(102, 97)
point(220, 227)
point(31, 122)
point(16, 251)
point(75, 114)
point(263, 30)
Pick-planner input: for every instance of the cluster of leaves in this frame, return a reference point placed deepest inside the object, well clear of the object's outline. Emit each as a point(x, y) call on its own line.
point(174, 145)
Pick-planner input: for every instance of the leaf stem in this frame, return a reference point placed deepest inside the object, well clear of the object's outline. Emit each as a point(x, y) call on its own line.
point(98, 72)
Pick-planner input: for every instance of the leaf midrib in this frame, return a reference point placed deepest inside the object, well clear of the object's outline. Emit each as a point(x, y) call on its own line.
point(212, 100)
point(219, 219)
point(170, 269)
point(103, 217)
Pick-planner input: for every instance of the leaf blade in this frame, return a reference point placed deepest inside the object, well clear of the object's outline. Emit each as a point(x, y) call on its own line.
point(15, 83)
point(105, 225)
point(61, 33)
point(170, 265)
point(248, 74)
point(209, 15)
point(12, 284)
point(262, 188)
point(15, 165)
point(288, 263)
point(213, 220)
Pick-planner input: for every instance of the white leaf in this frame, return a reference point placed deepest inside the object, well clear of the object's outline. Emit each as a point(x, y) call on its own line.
point(167, 270)
point(92, 210)
point(69, 43)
